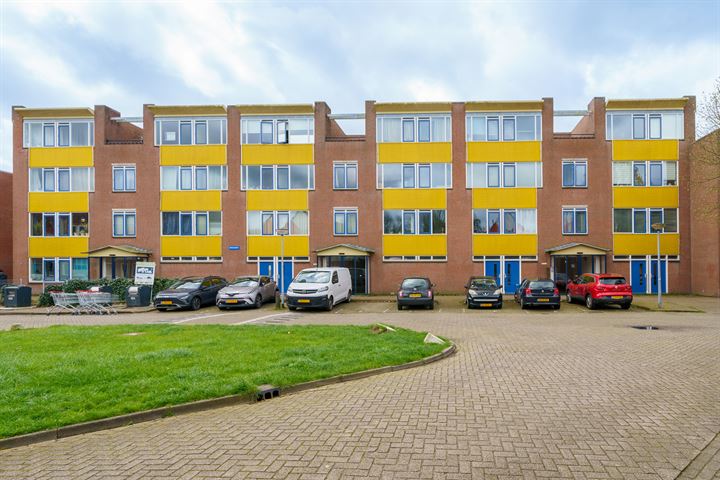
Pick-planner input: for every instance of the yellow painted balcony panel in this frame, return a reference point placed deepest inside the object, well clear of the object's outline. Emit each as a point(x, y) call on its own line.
point(638, 197)
point(290, 154)
point(645, 244)
point(526, 151)
point(645, 150)
point(57, 247)
point(397, 198)
point(414, 245)
point(189, 246)
point(277, 200)
point(193, 154)
point(504, 197)
point(432, 152)
point(172, 201)
point(269, 246)
point(60, 157)
point(58, 202)
point(489, 244)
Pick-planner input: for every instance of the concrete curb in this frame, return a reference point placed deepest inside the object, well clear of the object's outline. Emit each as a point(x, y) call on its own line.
point(43, 311)
point(200, 405)
point(669, 310)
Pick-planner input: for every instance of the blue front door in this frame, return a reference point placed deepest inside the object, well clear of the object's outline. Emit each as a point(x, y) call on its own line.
point(638, 276)
point(287, 275)
point(512, 275)
point(269, 268)
point(492, 269)
point(655, 278)
point(266, 268)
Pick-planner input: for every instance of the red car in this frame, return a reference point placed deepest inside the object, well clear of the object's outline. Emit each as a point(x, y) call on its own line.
point(597, 289)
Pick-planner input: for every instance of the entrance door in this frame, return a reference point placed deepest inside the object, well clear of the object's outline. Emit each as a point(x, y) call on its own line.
point(492, 269)
point(512, 275)
point(637, 276)
point(655, 278)
point(271, 269)
point(267, 268)
point(357, 266)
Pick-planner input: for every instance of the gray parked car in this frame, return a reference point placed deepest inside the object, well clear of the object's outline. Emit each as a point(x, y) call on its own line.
point(247, 290)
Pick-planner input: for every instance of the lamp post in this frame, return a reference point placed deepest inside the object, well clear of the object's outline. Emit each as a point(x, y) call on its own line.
point(282, 232)
point(658, 227)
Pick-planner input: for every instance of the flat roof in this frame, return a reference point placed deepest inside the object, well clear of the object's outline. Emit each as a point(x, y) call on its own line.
point(187, 110)
point(647, 103)
point(287, 109)
point(55, 112)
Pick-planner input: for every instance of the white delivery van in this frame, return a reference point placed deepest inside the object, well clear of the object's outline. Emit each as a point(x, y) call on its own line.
point(319, 288)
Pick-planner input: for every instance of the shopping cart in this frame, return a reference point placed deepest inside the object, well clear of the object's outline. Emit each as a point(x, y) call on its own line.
point(96, 303)
point(64, 303)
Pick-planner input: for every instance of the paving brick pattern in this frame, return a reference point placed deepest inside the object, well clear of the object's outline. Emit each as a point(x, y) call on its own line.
point(528, 395)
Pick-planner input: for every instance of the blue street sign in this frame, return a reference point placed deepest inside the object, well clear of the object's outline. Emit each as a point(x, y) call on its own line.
point(233, 247)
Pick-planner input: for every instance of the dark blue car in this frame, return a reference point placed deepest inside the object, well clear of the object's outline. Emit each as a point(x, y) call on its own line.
point(536, 292)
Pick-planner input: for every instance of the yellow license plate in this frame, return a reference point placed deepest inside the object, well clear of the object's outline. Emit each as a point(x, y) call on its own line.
point(616, 297)
point(543, 299)
point(415, 295)
point(166, 302)
point(303, 300)
point(486, 304)
point(232, 300)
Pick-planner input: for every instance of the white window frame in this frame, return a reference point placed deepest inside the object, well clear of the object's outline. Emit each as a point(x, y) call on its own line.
point(56, 224)
point(124, 214)
point(648, 223)
point(447, 175)
point(574, 163)
point(55, 123)
point(345, 211)
point(344, 166)
point(194, 214)
point(56, 179)
point(415, 117)
point(501, 224)
point(286, 120)
point(471, 166)
point(484, 117)
point(575, 210)
point(664, 166)
point(416, 221)
point(193, 176)
point(193, 129)
point(124, 168)
point(310, 174)
point(663, 115)
point(275, 222)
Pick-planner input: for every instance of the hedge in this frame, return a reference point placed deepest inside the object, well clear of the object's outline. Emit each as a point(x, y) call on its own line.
point(118, 285)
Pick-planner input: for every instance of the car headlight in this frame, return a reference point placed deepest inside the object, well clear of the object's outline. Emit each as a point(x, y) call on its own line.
point(323, 289)
point(472, 292)
point(498, 291)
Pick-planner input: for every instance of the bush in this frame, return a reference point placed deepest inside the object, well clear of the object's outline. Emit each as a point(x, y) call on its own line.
point(118, 286)
point(45, 299)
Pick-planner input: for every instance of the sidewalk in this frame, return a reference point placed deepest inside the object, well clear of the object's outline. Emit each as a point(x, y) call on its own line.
point(678, 303)
point(44, 310)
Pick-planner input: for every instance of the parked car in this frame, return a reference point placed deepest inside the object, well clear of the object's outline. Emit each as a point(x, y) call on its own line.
point(538, 292)
point(190, 292)
point(483, 292)
point(245, 291)
point(416, 291)
point(600, 289)
point(319, 288)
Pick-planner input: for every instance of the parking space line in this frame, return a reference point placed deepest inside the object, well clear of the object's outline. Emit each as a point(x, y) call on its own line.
point(200, 318)
point(259, 318)
point(386, 310)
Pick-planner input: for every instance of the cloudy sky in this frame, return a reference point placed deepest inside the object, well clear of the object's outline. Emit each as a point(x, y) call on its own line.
point(124, 54)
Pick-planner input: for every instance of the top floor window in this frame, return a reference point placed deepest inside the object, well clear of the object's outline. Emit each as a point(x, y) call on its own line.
point(506, 127)
point(645, 125)
point(277, 130)
point(190, 131)
point(413, 128)
point(58, 133)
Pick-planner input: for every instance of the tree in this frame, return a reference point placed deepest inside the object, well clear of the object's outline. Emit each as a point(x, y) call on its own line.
point(705, 156)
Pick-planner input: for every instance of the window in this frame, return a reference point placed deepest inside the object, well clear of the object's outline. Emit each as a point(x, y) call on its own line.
point(213, 177)
point(392, 221)
point(489, 175)
point(123, 178)
point(190, 131)
point(574, 173)
point(508, 126)
point(411, 222)
point(408, 176)
point(622, 220)
point(63, 180)
point(510, 221)
point(293, 222)
point(645, 125)
point(655, 126)
point(58, 269)
point(641, 220)
point(642, 174)
point(574, 221)
point(638, 127)
point(425, 128)
point(124, 223)
point(508, 174)
point(345, 176)
point(60, 133)
point(639, 174)
point(58, 224)
point(280, 131)
point(413, 175)
point(191, 223)
point(278, 177)
point(80, 179)
point(345, 221)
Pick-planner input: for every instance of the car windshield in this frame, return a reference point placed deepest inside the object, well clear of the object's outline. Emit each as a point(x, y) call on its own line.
point(186, 285)
point(313, 277)
point(613, 281)
point(483, 283)
point(409, 283)
point(542, 284)
point(245, 282)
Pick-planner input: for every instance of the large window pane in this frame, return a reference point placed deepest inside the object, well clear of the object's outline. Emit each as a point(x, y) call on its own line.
point(440, 129)
point(479, 177)
point(655, 126)
point(266, 131)
point(49, 135)
point(525, 127)
point(118, 179)
point(80, 134)
point(508, 175)
point(423, 130)
point(408, 130)
point(80, 268)
point(526, 220)
point(49, 180)
point(201, 179)
point(568, 171)
point(509, 222)
point(267, 177)
point(493, 175)
point(525, 174)
point(63, 180)
point(391, 129)
point(268, 223)
point(63, 135)
point(477, 129)
point(408, 176)
point(49, 270)
point(339, 176)
point(438, 220)
point(351, 176)
point(185, 178)
point(36, 135)
point(216, 132)
point(479, 220)
point(424, 222)
point(80, 224)
point(581, 221)
point(215, 181)
point(129, 224)
point(392, 221)
point(283, 178)
point(656, 174)
point(36, 224)
point(185, 133)
point(508, 129)
point(170, 224)
point(169, 132)
point(424, 175)
point(215, 220)
point(656, 216)
point(186, 223)
point(251, 131)
point(581, 175)
point(568, 222)
point(639, 127)
point(493, 221)
point(622, 173)
point(49, 225)
point(118, 225)
point(299, 223)
point(351, 223)
point(299, 177)
point(255, 223)
point(670, 173)
point(252, 177)
point(200, 132)
point(621, 127)
point(301, 130)
point(36, 269)
point(493, 129)
point(36, 179)
point(169, 178)
point(639, 174)
point(639, 221)
point(392, 175)
point(622, 220)
point(409, 222)
point(438, 175)
point(64, 269)
point(340, 223)
point(63, 225)
point(201, 224)
point(670, 220)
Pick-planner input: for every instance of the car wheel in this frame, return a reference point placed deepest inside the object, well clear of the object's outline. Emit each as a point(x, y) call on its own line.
point(347, 300)
point(195, 303)
point(499, 306)
point(470, 305)
point(431, 306)
point(291, 308)
point(556, 307)
point(568, 297)
point(625, 306)
point(258, 301)
point(330, 304)
point(399, 307)
point(589, 302)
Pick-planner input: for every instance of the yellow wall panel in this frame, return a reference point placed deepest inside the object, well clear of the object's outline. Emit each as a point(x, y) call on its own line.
point(504, 197)
point(57, 246)
point(60, 157)
point(277, 200)
point(528, 151)
point(487, 244)
point(410, 198)
point(58, 202)
point(269, 246)
point(645, 149)
point(431, 152)
point(645, 244)
point(414, 245)
point(193, 200)
point(290, 154)
point(637, 197)
point(193, 154)
point(189, 246)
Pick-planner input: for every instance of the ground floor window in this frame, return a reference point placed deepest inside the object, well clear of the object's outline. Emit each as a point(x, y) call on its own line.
point(50, 270)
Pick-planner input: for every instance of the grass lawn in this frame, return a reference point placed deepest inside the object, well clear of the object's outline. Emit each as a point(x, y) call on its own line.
point(50, 377)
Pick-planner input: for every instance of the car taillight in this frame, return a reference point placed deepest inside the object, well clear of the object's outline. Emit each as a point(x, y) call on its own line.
point(429, 293)
point(400, 293)
point(556, 292)
point(528, 291)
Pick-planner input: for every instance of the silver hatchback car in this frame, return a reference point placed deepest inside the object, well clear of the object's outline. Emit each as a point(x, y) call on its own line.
point(245, 291)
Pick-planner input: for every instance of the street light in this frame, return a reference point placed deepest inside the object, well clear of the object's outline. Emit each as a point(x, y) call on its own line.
point(282, 232)
point(658, 227)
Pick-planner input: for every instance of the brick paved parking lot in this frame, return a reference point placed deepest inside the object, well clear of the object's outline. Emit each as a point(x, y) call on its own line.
point(530, 394)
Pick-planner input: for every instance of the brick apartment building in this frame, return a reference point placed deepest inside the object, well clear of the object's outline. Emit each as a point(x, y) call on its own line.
point(445, 190)
point(6, 234)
